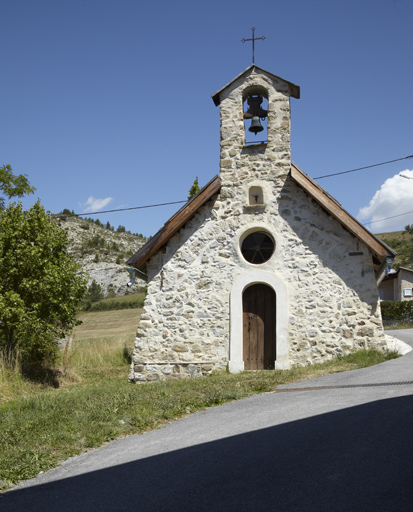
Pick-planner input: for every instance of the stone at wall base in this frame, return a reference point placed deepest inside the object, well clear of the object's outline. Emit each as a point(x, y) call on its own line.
point(167, 371)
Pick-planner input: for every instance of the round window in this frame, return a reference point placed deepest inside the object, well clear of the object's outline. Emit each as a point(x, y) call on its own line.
point(258, 247)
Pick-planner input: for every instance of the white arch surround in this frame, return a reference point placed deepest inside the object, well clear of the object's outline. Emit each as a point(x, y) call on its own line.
point(236, 362)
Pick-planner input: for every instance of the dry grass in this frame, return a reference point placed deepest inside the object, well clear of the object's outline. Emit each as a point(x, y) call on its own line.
point(13, 385)
point(11, 382)
point(102, 344)
point(398, 325)
point(103, 324)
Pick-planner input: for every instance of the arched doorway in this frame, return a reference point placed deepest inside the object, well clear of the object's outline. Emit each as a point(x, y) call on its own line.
point(241, 284)
point(259, 327)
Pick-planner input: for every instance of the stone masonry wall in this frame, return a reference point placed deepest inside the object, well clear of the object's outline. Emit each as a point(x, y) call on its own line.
point(333, 303)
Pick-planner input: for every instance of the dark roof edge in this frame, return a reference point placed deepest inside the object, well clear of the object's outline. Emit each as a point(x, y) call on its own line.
point(404, 268)
point(175, 223)
point(394, 275)
point(342, 215)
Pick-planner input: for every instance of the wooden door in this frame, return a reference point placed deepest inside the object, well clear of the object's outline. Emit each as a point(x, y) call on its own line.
point(259, 317)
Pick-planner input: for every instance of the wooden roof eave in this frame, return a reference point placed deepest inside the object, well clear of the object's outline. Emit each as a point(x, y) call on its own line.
point(379, 249)
point(293, 88)
point(139, 259)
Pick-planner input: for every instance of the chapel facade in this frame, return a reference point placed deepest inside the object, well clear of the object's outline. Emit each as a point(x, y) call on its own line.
point(262, 269)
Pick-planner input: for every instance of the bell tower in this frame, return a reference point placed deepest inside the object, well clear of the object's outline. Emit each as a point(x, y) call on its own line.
point(255, 126)
point(255, 162)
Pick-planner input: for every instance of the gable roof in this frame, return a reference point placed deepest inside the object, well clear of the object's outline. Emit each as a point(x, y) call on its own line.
point(175, 223)
point(294, 89)
point(379, 249)
point(334, 208)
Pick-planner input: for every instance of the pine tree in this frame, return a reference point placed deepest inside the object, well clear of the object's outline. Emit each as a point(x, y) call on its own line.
point(193, 191)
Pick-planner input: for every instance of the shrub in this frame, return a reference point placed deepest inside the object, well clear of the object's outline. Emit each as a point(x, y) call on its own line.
point(394, 312)
point(95, 242)
point(109, 305)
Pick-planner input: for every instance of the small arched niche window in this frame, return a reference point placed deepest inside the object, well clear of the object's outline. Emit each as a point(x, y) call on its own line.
point(258, 247)
point(255, 196)
point(255, 106)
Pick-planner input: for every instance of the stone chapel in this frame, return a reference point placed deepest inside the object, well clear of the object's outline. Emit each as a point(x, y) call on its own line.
point(262, 269)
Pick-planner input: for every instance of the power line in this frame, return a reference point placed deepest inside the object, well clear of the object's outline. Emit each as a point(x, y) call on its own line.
point(361, 168)
point(387, 218)
point(61, 216)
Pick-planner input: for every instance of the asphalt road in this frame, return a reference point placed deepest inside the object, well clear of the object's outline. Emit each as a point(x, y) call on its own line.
point(335, 443)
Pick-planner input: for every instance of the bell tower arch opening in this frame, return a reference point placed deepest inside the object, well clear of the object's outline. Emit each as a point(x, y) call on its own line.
point(255, 114)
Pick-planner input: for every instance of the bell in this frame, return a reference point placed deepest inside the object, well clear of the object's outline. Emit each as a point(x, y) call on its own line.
point(255, 125)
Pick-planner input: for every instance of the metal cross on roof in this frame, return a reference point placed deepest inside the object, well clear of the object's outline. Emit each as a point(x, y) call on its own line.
point(253, 39)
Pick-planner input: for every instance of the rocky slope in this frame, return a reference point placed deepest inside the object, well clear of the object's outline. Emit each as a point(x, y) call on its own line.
point(102, 253)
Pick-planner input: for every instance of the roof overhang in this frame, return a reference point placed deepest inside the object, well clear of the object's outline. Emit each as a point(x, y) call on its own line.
point(139, 259)
point(294, 90)
point(379, 249)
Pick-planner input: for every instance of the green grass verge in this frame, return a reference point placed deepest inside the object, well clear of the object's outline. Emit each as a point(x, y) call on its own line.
point(397, 326)
point(133, 301)
point(46, 426)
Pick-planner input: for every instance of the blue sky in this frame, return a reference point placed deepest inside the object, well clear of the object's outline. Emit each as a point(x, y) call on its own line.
point(107, 104)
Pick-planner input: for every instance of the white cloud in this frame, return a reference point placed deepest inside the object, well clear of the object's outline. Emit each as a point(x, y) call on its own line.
point(95, 205)
point(395, 197)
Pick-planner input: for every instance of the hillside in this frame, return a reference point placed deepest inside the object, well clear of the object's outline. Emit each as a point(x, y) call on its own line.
point(102, 253)
point(402, 243)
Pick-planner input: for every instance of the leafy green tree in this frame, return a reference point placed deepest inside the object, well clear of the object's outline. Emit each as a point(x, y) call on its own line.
point(13, 186)
point(40, 285)
point(121, 229)
point(193, 191)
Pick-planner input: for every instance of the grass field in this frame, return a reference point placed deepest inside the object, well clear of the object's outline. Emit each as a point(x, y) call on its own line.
point(110, 324)
point(93, 403)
